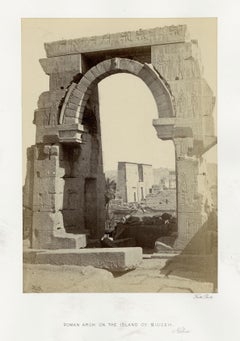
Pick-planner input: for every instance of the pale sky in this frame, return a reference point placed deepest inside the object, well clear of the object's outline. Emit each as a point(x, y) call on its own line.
point(123, 113)
point(127, 108)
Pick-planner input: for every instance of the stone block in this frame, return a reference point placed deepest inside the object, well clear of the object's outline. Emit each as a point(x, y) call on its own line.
point(159, 35)
point(47, 221)
point(85, 82)
point(51, 168)
point(61, 63)
point(178, 61)
point(42, 117)
point(86, 91)
point(47, 98)
point(61, 80)
point(70, 120)
point(70, 113)
point(42, 134)
point(90, 76)
point(113, 259)
point(63, 240)
point(74, 99)
point(58, 240)
point(77, 93)
point(131, 66)
point(72, 106)
point(43, 201)
point(49, 202)
point(41, 239)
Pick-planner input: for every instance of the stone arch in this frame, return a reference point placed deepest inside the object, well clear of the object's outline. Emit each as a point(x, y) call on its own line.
point(78, 94)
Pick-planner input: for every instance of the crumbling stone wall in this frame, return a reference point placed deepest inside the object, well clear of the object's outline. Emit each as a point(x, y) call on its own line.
point(67, 158)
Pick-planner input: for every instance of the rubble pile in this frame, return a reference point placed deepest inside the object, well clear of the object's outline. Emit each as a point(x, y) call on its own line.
point(144, 231)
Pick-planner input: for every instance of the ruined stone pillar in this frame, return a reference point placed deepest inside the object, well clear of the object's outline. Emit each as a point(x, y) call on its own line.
point(28, 196)
point(49, 170)
point(191, 129)
point(189, 210)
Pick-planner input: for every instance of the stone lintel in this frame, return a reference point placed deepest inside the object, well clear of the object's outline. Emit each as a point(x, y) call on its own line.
point(113, 259)
point(142, 37)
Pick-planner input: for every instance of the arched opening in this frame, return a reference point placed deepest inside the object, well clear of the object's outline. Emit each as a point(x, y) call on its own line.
point(145, 185)
point(138, 166)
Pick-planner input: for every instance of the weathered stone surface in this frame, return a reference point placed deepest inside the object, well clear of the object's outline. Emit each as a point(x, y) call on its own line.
point(163, 35)
point(119, 259)
point(51, 168)
point(45, 239)
point(61, 64)
point(115, 65)
point(63, 240)
point(44, 278)
point(51, 221)
point(177, 61)
point(47, 98)
point(185, 104)
point(52, 278)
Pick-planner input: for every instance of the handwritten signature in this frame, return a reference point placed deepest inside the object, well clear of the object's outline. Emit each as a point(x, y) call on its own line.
point(203, 296)
point(181, 330)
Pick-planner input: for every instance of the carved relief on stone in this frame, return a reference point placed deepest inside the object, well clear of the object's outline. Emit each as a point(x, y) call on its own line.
point(182, 188)
point(105, 40)
point(195, 103)
point(141, 35)
point(187, 184)
point(159, 35)
point(188, 98)
point(181, 103)
point(125, 36)
point(180, 61)
point(183, 146)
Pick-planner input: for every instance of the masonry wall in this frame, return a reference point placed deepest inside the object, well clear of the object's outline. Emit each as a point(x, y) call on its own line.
point(85, 186)
point(57, 204)
point(65, 177)
point(181, 67)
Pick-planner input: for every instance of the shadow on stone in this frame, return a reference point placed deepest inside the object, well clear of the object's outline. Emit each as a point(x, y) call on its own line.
point(198, 261)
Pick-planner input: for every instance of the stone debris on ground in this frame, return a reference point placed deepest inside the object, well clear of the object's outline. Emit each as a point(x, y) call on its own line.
point(45, 278)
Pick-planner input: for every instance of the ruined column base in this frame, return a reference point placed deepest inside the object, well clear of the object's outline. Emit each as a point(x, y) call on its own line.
point(60, 241)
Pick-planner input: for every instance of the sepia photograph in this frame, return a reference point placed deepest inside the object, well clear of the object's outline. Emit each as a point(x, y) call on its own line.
point(119, 155)
point(119, 171)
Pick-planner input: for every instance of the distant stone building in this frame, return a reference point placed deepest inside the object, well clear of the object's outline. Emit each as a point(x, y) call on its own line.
point(164, 178)
point(134, 181)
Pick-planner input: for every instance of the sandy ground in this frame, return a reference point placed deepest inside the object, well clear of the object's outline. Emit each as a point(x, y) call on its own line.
point(148, 277)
